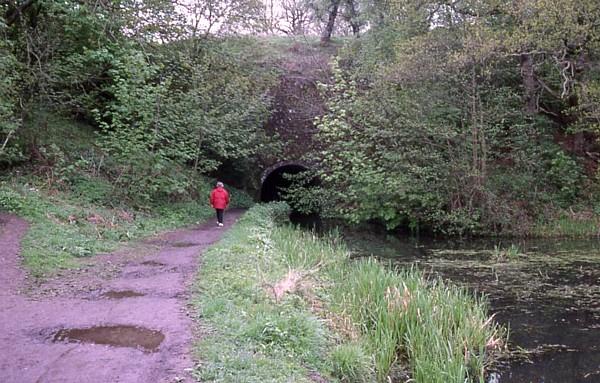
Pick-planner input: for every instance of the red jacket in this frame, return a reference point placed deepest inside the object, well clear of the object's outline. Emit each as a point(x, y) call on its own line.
point(219, 198)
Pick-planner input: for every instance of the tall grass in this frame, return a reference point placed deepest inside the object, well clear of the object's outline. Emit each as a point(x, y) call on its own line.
point(382, 324)
point(304, 249)
point(510, 253)
point(566, 226)
point(249, 336)
point(426, 328)
point(438, 331)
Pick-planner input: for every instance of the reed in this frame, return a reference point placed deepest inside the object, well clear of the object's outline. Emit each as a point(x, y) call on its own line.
point(569, 225)
point(438, 332)
point(510, 253)
point(350, 320)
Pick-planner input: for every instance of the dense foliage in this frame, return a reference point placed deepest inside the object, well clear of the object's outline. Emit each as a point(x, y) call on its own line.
point(452, 116)
point(464, 116)
point(167, 103)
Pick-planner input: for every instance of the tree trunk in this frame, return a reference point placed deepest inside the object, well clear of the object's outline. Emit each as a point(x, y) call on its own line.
point(352, 17)
point(530, 84)
point(474, 128)
point(333, 11)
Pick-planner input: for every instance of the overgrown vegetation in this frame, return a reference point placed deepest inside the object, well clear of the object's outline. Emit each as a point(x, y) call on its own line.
point(164, 103)
point(570, 224)
point(75, 210)
point(463, 117)
point(246, 336)
point(458, 118)
point(277, 303)
point(454, 117)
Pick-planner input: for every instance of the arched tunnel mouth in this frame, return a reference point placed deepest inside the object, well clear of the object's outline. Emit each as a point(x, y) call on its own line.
point(274, 186)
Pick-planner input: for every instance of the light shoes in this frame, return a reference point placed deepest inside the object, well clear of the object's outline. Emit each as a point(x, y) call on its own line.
point(219, 224)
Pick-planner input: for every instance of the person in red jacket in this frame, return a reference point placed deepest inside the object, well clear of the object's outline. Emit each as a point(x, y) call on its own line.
point(219, 199)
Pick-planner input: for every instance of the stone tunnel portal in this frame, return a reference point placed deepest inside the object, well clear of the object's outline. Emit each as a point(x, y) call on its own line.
point(274, 181)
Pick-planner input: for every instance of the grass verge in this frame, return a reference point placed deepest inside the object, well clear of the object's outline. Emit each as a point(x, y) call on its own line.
point(569, 225)
point(67, 225)
point(277, 304)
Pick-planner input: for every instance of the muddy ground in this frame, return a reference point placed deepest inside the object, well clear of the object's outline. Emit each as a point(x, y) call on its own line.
point(120, 317)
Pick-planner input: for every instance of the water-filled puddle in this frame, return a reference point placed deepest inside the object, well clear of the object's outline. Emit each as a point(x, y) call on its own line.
point(118, 336)
point(121, 294)
point(153, 263)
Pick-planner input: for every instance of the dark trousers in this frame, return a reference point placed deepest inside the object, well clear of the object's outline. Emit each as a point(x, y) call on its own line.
point(219, 215)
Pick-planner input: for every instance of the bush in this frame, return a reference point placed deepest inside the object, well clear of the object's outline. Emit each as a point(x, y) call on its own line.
point(94, 190)
point(565, 174)
point(10, 200)
point(351, 364)
point(240, 200)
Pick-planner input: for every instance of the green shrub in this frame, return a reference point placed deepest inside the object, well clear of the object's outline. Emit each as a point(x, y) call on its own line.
point(351, 364)
point(565, 173)
point(10, 200)
point(240, 200)
point(94, 190)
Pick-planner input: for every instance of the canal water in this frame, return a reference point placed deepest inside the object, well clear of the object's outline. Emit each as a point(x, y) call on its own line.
point(546, 292)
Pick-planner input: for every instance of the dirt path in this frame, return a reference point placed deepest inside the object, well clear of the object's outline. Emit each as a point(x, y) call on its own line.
point(134, 301)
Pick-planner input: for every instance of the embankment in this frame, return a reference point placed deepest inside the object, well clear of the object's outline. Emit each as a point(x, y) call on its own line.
point(275, 303)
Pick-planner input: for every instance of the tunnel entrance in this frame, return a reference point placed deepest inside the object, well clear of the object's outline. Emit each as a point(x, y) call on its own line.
point(275, 182)
point(273, 188)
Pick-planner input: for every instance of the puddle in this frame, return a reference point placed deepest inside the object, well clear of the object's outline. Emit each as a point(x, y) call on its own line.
point(184, 244)
point(152, 263)
point(117, 336)
point(121, 294)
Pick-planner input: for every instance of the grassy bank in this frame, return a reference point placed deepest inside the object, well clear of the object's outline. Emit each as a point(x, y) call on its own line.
point(277, 304)
point(69, 224)
point(569, 224)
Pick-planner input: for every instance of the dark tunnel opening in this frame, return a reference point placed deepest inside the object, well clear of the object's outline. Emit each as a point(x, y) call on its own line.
point(275, 183)
point(273, 189)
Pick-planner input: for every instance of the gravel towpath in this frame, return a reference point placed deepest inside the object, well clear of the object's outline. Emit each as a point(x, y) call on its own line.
point(121, 317)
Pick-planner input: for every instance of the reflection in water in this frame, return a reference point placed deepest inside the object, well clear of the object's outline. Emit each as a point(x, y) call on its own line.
point(547, 292)
point(310, 221)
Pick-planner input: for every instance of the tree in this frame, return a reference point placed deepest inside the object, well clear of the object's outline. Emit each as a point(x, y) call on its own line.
point(167, 101)
point(439, 115)
point(332, 12)
point(10, 120)
point(352, 18)
point(224, 16)
point(296, 16)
